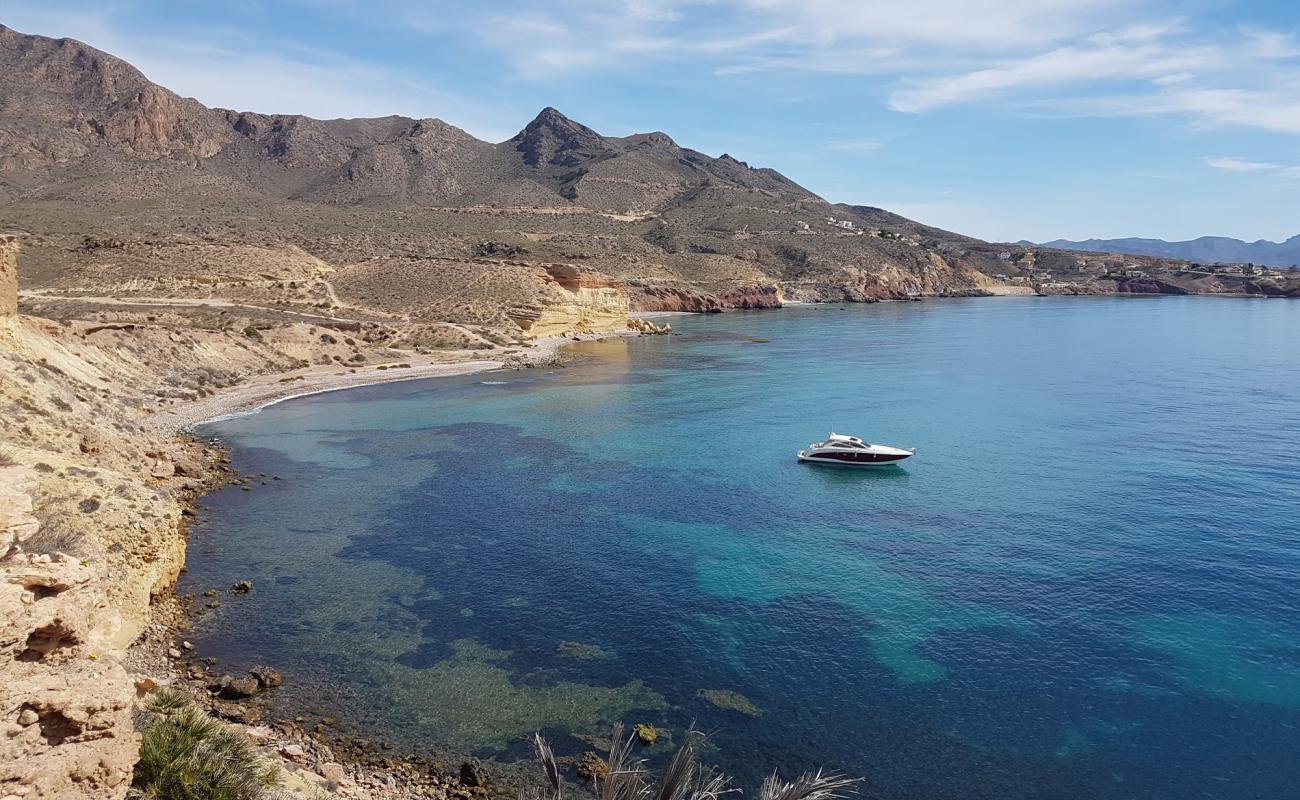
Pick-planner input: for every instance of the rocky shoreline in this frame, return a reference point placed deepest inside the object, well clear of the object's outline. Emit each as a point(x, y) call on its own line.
point(97, 483)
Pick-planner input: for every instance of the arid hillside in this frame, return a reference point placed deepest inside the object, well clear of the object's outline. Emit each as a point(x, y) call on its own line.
point(113, 182)
point(119, 188)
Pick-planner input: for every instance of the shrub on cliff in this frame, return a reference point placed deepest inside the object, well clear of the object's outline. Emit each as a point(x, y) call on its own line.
point(685, 777)
point(187, 755)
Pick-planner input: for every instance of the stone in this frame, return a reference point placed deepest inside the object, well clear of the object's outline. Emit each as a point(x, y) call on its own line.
point(172, 652)
point(28, 716)
point(266, 677)
point(471, 774)
point(592, 767)
point(293, 752)
point(241, 587)
point(186, 465)
point(334, 772)
point(235, 712)
point(645, 733)
point(232, 688)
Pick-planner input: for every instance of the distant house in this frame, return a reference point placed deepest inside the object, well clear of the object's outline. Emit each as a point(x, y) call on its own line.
point(846, 224)
point(999, 277)
point(1134, 273)
point(1233, 269)
point(1004, 256)
point(800, 226)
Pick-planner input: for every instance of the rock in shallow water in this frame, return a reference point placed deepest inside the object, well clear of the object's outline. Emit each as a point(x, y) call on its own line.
point(267, 677)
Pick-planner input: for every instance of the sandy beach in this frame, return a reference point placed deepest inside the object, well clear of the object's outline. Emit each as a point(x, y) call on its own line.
point(261, 391)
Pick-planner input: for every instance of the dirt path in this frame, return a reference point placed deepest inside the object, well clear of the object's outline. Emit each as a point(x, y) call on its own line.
point(187, 302)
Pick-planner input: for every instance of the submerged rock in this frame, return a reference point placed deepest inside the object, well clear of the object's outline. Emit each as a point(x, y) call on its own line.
point(728, 700)
point(592, 767)
point(646, 733)
point(583, 651)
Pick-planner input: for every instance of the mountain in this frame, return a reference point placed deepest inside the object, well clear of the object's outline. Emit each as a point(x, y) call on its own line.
point(118, 185)
point(89, 147)
point(1205, 250)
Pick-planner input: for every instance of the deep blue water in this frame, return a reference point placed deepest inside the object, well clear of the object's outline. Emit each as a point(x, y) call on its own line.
point(1085, 585)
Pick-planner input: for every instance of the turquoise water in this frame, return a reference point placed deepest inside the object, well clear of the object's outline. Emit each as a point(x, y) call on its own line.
point(1085, 585)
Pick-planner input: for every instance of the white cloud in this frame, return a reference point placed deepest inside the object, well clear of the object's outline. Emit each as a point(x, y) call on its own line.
point(1063, 57)
point(1235, 164)
point(1108, 59)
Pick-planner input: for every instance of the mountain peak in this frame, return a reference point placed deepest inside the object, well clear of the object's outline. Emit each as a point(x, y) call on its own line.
point(552, 138)
point(550, 118)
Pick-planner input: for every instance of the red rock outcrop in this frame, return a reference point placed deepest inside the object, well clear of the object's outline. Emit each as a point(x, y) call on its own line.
point(643, 297)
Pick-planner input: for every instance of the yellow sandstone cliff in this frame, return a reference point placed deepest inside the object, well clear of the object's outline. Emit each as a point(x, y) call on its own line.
point(574, 301)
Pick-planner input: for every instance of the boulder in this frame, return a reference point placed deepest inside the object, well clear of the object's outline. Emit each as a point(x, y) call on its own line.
point(471, 774)
point(229, 687)
point(236, 712)
point(187, 465)
point(266, 677)
point(592, 767)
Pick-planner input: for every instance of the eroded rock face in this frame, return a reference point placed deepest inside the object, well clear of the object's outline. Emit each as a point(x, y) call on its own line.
point(575, 301)
point(669, 298)
point(16, 519)
point(65, 701)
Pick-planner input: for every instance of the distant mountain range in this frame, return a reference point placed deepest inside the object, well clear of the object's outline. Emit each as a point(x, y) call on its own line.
point(1205, 250)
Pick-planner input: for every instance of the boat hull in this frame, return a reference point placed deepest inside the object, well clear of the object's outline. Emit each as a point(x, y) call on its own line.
point(881, 462)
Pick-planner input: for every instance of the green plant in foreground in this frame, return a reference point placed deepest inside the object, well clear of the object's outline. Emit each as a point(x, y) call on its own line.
point(685, 778)
point(187, 755)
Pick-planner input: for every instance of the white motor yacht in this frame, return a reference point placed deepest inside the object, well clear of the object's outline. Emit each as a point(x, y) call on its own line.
point(850, 451)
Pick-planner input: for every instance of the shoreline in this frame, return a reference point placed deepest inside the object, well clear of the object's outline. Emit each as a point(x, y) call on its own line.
point(318, 759)
point(364, 767)
point(263, 391)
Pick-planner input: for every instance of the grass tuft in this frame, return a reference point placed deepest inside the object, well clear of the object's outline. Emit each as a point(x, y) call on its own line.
point(685, 778)
point(187, 755)
point(52, 540)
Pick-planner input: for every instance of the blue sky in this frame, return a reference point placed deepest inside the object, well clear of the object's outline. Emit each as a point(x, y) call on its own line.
point(1004, 119)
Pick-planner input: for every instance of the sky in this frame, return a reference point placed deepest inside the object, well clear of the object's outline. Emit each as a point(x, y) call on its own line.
point(1003, 119)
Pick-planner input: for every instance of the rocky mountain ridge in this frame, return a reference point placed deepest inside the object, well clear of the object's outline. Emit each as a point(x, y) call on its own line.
point(93, 148)
point(108, 177)
point(1203, 250)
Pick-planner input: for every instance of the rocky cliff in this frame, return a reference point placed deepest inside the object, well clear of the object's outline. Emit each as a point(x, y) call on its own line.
point(575, 301)
point(92, 498)
point(678, 299)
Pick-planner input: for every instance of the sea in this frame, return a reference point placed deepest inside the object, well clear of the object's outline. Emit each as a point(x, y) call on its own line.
point(1085, 584)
